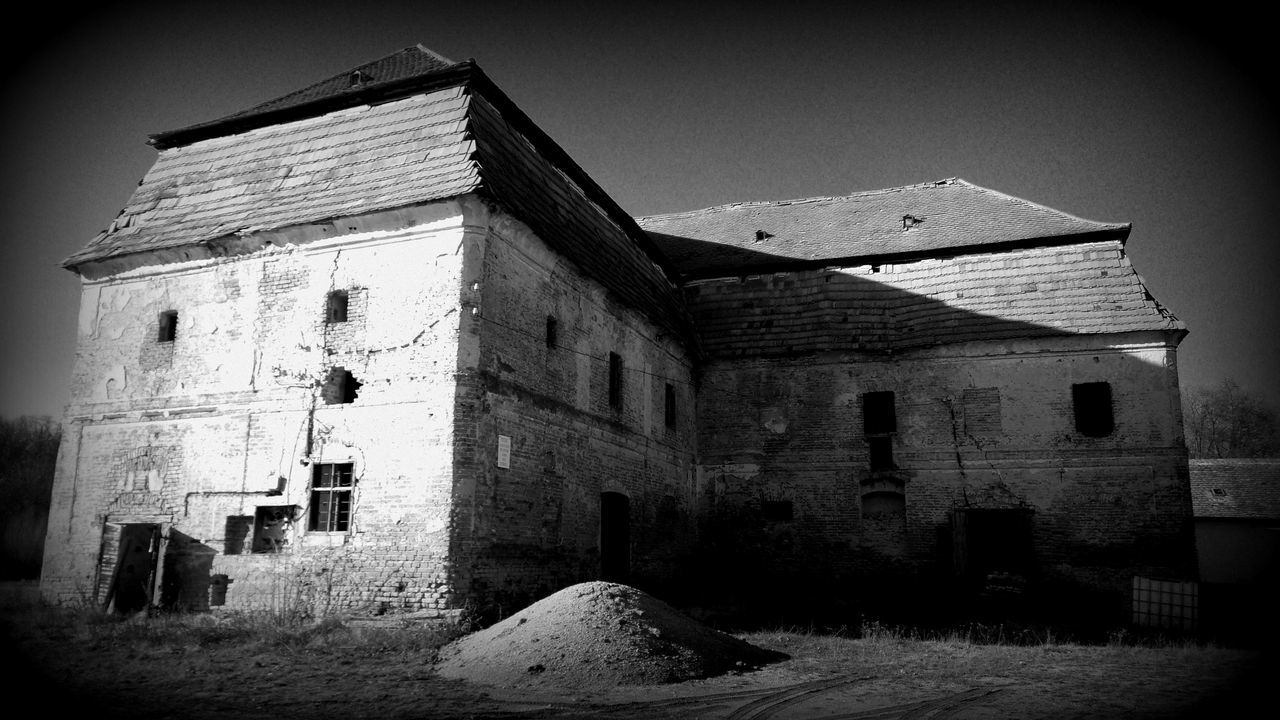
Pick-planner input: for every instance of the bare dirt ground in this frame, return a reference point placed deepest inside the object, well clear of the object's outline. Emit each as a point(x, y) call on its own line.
point(143, 668)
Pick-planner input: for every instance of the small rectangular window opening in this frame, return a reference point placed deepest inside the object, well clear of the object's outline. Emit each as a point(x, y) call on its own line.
point(237, 534)
point(168, 326)
point(271, 528)
point(1092, 405)
point(218, 589)
point(878, 413)
point(330, 509)
point(669, 406)
point(615, 380)
point(880, 452)
point(879, 422)
point(777, 510)
point(551, 331)
point(336, 307)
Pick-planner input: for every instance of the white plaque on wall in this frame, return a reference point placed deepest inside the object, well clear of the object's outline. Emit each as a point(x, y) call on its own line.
point(504, 451)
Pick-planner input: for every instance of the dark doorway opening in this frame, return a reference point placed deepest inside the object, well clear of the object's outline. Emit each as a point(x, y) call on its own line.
point(615, 537)
point(993, 542)
point(131, 560)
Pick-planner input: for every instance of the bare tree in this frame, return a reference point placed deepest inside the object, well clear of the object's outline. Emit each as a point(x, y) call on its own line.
point(1225, 421)
point(28, 451)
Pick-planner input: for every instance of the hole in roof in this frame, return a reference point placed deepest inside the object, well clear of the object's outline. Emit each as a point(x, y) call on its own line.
point(1219, 492)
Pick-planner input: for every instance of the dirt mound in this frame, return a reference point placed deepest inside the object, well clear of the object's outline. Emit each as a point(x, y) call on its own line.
point(597, 634)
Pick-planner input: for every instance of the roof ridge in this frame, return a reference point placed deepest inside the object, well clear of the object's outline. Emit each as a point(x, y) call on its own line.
point(800, 201)
point(1039, 207)
point(358, 68)
point(377, 80)
point(432, 53)
point(951, 181)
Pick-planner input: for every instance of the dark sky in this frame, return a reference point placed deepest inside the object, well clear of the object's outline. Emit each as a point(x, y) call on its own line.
point(1116, 114)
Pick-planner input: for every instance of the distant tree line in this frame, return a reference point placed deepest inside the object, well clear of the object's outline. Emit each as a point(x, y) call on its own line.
point(1226, 421)
point(28, 452)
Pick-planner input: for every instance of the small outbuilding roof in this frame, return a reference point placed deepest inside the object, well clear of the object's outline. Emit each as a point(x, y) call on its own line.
point(1245, 489)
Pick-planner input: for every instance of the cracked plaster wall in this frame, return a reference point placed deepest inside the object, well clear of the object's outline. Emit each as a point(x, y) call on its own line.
point(192, 432)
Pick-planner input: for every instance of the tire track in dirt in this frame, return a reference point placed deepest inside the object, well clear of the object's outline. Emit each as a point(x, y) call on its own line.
point(702, 703)
point(934, 709)
point(942, 707)
point(767, 704)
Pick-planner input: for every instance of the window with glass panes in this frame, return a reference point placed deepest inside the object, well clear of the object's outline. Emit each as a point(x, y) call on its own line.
point(331, 485)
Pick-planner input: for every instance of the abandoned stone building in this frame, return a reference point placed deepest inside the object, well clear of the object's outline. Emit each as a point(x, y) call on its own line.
point(381, 344)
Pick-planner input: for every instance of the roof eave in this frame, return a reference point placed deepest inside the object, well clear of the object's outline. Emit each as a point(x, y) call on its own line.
point(556, 155)
point(95, 265)
point(1119, 233)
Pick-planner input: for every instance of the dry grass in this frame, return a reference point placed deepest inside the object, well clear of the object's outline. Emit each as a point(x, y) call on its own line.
point(153, 667)
point(251, 632)
point(1131, 675)
point(972, 647)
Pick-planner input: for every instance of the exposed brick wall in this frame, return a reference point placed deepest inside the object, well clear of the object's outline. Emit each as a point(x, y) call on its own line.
point(979, 424)
point(531, 528)
point(1085, 288)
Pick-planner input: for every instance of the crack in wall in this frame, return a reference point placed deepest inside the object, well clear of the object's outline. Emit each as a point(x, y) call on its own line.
point(955, 436)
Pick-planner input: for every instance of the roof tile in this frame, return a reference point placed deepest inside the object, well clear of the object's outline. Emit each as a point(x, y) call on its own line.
point(349, 86)
point(912, 220)
point(919, 304)
point(1245, 489)
point(436, 130)
point(299, 172)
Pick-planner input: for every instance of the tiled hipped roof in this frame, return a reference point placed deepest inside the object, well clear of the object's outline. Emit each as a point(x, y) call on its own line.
point(1028, 292)
point(960, 263)
point(410, 63)
point(930, 219)
point(1243, 489)
point(562, 209)
point(355, 161)
point(451, 133)
point(414, 128)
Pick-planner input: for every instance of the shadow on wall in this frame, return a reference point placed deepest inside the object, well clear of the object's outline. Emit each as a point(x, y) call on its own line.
point(188, 565)
point(995, 556)
point(778, 307)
